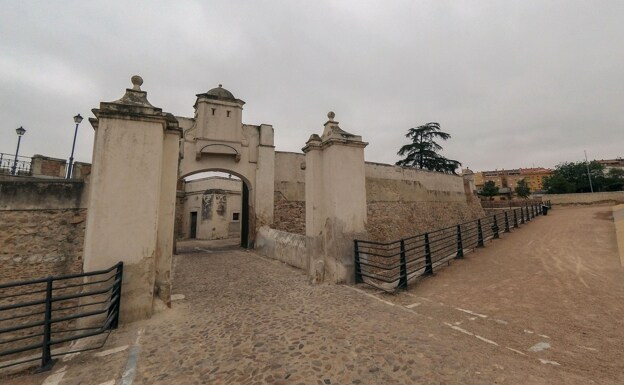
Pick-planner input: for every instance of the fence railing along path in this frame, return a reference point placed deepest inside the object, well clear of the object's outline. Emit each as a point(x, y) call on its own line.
point(390, 265)
point(10, 165)
point(39, 318)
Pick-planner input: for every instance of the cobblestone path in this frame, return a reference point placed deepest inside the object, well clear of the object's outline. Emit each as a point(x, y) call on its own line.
point(541, 306)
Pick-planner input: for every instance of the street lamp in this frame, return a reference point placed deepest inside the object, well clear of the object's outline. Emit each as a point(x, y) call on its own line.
point(20, 131)
point(70, 168)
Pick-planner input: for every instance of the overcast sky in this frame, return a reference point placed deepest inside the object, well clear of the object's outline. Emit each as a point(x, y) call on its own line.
point(516, 83)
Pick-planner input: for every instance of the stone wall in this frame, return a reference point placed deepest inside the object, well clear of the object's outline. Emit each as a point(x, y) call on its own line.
point(613, 197)
point(42, 225)
point(38, 243)
point(289, 196)
point(404, 202)
point(284, 246)
point(618, 220)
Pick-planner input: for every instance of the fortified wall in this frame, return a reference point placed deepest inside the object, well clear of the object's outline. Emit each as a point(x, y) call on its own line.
point(42, 226)
point(400, 201)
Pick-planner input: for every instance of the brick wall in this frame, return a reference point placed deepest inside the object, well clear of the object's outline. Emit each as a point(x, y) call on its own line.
point(38, 243)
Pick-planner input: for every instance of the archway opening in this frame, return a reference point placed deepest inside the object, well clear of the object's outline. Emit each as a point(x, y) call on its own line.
point(212, 210)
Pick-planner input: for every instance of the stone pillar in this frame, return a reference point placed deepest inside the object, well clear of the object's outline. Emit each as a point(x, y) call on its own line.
point(132, 197)
point(335, 202)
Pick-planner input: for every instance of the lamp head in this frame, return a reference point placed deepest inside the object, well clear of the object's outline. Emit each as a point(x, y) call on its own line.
point(77, 119)
point(20, 131)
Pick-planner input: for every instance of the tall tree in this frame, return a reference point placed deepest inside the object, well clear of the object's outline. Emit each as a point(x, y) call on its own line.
point(423, 152)
point(522, 189)
point(489, 190)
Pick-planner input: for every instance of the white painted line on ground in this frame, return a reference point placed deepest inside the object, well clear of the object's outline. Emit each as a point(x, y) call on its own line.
point(500, 321)
point(62, 369)
point(70, 356)
point(128, 375)
point(543, 361)
point(538, 347)
point(486, 340)
point(416, 296)
point(588, 348)
point(528, 331)
point(370, 295)
point(110, 382)
point(177, 297)
point(458, 329)
point(471, 312)
point(413, 305)
point(515, 351)
point(542, 335)
point(55, 378)
point(111, 351)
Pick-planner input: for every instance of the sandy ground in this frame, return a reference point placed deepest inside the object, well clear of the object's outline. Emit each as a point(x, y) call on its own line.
point(543, 305)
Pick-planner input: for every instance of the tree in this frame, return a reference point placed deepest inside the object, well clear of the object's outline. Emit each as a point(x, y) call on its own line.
point(522, 189)
point(490, 189)
point(423, 151)
point(571, 177)
point(615, 180)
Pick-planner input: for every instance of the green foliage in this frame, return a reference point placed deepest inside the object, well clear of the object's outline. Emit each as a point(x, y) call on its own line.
point(423, 151)
point(490, 189)
point(522, 189)
point(571, 177)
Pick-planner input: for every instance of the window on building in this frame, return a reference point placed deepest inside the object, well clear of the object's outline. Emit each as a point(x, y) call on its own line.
point(228, 114)
point(214, 110)
point(235, 217)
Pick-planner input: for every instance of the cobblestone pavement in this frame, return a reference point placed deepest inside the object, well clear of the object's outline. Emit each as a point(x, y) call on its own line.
point(541, 306)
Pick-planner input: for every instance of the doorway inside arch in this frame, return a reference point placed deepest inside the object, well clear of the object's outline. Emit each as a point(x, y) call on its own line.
point(212, 212)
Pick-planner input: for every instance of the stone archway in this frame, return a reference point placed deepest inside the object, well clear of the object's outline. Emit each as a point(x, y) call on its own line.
point(221, 198)
point(140, 152)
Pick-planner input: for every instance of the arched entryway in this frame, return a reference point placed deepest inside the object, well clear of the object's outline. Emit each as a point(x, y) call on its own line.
point(214, 205)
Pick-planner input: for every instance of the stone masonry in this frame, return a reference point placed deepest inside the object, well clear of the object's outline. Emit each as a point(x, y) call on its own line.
point(39, 243)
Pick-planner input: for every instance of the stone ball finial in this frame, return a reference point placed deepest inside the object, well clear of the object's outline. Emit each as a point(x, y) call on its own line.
point(220, 85)
point(137, 81)
point(331, 115)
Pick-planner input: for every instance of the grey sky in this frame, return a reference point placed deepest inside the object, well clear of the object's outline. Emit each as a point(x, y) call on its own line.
point(516, 83)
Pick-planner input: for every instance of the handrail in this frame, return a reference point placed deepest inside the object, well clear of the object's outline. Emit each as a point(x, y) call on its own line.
point(52, 321)
point(434, 247)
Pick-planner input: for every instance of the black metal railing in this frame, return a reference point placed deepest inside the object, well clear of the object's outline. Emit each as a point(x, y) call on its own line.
point(389, 265)
point(12, 166)
point(39, 318)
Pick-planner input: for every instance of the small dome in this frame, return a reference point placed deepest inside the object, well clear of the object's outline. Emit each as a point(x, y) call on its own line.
point(221, 93)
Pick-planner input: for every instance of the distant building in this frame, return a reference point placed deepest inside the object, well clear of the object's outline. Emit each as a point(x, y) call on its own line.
point(507, 180)
point(617, 163)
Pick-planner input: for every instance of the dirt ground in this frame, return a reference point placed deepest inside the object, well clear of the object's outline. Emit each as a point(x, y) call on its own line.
point(543, 305)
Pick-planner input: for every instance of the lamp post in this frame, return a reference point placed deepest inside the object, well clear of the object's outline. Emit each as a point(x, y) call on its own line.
point(70, 168)
point(20, 131)
point(588, 174)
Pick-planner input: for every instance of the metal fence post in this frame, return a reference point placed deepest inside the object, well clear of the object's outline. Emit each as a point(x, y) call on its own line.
point(521, 215)
point(118, 274)
point(495, 227)
point(528, 214)
point(403, 271)
point(515, 220)
point(460, 244)
point(506, 223)
point(46, 356)
point(479, 234)
point(358, 267)
point(428, 263)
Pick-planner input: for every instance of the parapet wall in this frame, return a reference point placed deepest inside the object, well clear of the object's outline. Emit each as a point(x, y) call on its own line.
point(612, 197)
point(42, 226)
point(402, 202)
